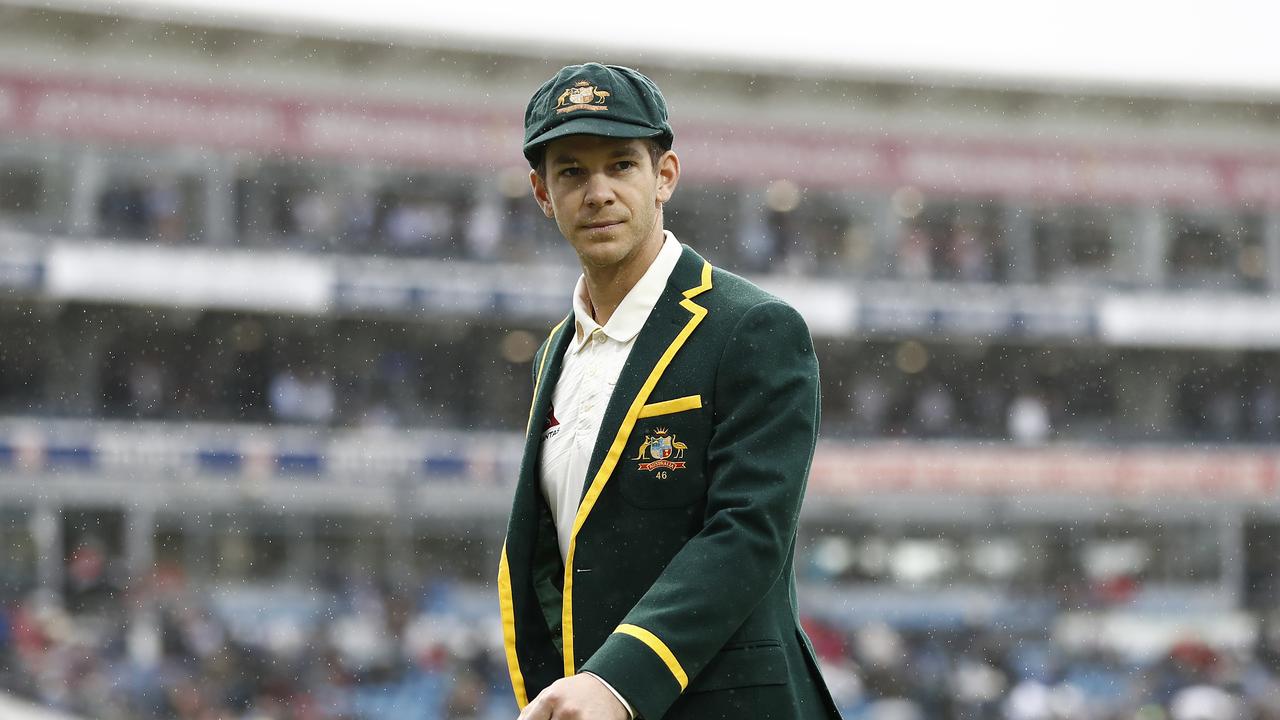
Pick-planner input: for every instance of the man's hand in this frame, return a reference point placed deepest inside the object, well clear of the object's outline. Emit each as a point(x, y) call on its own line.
point(581, 697)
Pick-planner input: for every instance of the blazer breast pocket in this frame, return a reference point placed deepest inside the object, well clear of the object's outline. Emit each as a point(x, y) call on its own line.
point(663, 465)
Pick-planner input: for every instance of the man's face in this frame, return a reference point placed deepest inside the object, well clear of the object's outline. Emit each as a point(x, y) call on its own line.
point(606, 196)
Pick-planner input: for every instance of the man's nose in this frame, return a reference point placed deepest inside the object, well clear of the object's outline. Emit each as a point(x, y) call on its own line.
point(599, 190)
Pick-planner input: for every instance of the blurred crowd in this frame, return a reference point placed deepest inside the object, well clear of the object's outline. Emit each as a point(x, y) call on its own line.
point(298, 215)
point(351, 650)
point(334, 373)
point(957, 249)
point(357, 649)
point(124, 363)
point(881, 673)
point(247, 373)
point(1001, 400)
point(446, 218)
point(778, 227)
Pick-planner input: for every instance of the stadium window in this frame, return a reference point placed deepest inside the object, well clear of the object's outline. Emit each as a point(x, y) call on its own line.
point(1220, 250)
point(1074, 243)
point(836, 234)
point(21, 187)
point(708, 217)
point(1116, 566)
point(156, 198)
point(268, 553)
point(18, 562)
point(422, 213)
point(806, 232)
point(347, 547)
point(296, 202)
point(524, 233)
point(1124, 557)
point(1191, 553)
point(170, 543)
point(953, 241)
point(35, 185)
point(441, 553)
point(1261, 393)
point(1213, 400)
point(1262, 561)
point(297, 207)
point(24, 368)
point(1090, 399)
point(251, 546)
point(93, 555)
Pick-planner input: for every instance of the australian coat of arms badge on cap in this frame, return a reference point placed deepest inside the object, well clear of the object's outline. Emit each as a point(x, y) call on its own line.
point(582, 95)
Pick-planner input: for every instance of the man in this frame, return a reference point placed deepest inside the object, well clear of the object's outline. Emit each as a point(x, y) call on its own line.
point(647, 570)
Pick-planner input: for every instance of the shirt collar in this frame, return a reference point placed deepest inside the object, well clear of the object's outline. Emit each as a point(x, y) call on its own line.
point(626, 321)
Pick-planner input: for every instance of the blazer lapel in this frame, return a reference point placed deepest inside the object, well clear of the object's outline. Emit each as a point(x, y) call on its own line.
point(530, 552)
point(673, 319)
point(528, 507)
point(669, 318)
point(544, 388)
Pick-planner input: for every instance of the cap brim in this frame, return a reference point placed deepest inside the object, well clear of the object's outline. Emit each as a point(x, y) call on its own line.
point(589, 126)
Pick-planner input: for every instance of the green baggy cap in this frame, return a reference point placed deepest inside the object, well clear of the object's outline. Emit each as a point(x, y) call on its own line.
point(595, 99)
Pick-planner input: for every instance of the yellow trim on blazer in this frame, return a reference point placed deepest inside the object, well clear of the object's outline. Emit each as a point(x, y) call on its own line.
point(658, 647)
point(704, 286)
point(667, 407)
point(537, 380)
point(507, 606)
point(615, 453)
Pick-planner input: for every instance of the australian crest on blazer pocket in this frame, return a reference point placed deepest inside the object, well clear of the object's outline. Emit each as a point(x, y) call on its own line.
point(663, 466)
point(662, 451)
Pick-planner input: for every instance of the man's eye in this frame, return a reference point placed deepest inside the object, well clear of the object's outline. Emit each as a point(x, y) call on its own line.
point(570, 172)
point(626, 164)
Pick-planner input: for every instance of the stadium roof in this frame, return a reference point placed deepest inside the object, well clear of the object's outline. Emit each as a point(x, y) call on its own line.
point(1221, 50)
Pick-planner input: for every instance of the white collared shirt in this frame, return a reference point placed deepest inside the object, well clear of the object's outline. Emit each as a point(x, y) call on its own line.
point(592, 363)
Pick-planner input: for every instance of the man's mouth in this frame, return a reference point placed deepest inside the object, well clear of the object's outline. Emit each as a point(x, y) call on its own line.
point(602, 224)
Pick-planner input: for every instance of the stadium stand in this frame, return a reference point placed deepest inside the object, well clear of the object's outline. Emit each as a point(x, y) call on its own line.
point(271, 300)
point(16, 709)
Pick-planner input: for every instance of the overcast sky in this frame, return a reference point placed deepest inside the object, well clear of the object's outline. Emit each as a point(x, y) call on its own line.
point(1211, 46)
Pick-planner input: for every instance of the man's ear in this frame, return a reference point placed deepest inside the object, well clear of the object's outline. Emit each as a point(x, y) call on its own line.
point(540, 194)
point(668, 175)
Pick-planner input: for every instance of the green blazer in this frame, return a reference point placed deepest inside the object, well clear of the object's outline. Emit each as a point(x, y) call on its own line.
point(679, 587)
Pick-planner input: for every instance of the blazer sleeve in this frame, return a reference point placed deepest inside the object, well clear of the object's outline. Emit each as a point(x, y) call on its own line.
point(765, 428)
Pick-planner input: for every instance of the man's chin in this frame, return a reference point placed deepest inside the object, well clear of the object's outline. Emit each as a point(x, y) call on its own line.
point(600, 257)
point(600, 248)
